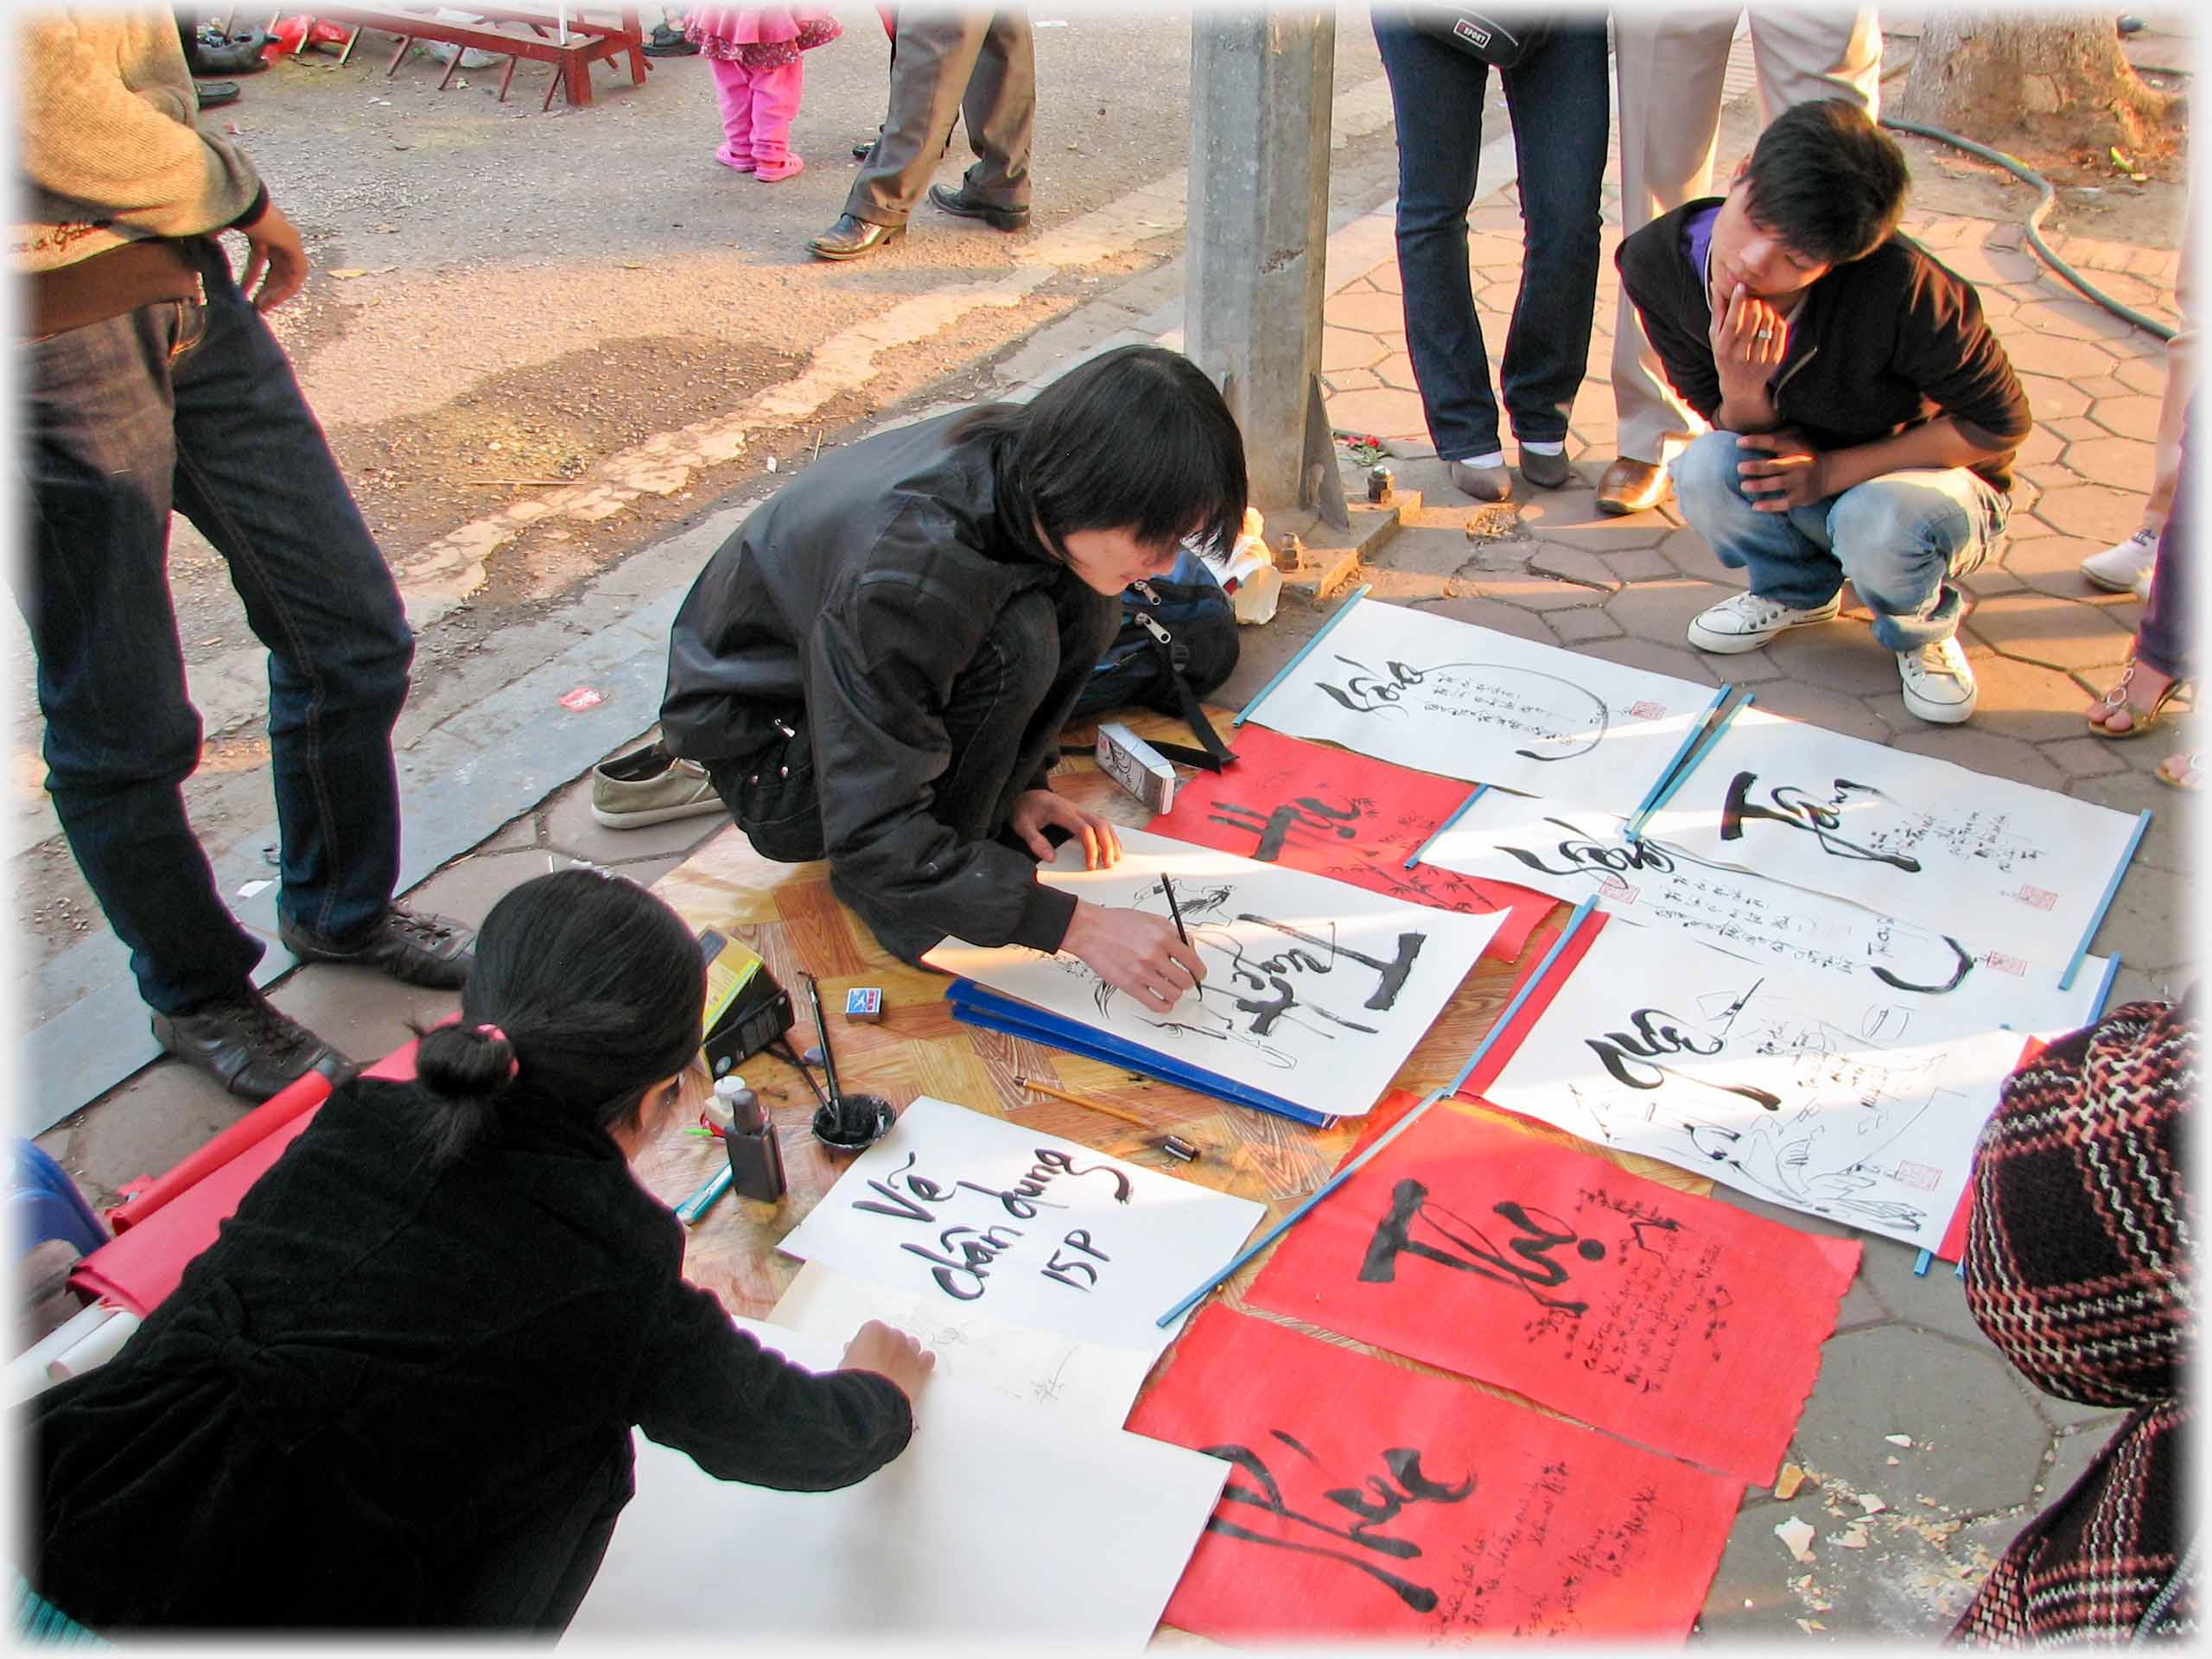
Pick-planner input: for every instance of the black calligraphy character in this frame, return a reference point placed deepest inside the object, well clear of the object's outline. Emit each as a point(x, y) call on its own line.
point(1390, 976)
point(1306, 812)
point(1583, 854)
point(1657, 1033)
point(1961, 962)
point(1524, 1264)
point(901, 1207)
point(1370, 693)
point(1796, 810)
point(1376, 1511)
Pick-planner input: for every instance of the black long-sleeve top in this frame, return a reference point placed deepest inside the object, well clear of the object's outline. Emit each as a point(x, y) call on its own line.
point(1876, 345)
point(389, 1395)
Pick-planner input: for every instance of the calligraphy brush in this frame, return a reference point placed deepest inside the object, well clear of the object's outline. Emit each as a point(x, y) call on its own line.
point(836, 1103)
point(1174, 909)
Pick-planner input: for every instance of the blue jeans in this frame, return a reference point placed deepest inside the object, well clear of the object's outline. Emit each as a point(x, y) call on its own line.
point(194, 406)
point(1558, 101)
point(1898, 538)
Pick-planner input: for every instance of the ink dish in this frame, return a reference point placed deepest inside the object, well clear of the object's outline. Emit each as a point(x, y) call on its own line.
point(852, 1121)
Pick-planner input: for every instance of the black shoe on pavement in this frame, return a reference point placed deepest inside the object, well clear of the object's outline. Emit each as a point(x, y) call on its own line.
point(246, 1046)
point(959, 201)
point(414, 947)
point(666, 42)
point(849, 238)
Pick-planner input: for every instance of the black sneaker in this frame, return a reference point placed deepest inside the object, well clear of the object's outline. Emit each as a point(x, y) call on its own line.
point(246, 1046)
point(666, 42)
point(414, 947)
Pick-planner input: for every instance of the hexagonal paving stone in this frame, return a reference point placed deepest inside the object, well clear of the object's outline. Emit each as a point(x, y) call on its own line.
point(1386, 278)
point(1390, 413)
point(2130, 415)
point(2073, 320)
point(1679, 661)
point(2071, 427)
point(2050, 563)
point(2040, 354)
point(2040, 448)
point(1576, 565)
point(1347, 348)
point(2023, 700)
point(1834, 711)
point(1935, 1301)
point(1397, 370)
point(1339, 380)
point(1368, 313)
point(1842, 656)
point(2143, 374)
point(1641, 564)
point(1990, 580)
point(2168, 846)
point(2037, 628)
point(2084, 757)
point(1977, 1438)
point(2049, 397)
point(1579, 627)
point(1661, 610)
point(1530, 590)
point(1979, 751)
point(1485, 613)
point(2110, 460)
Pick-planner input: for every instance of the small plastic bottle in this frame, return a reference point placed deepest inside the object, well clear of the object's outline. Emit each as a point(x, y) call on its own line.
point(756, 1157)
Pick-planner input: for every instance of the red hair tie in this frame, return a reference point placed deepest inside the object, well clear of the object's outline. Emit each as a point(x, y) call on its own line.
point(514, 1062)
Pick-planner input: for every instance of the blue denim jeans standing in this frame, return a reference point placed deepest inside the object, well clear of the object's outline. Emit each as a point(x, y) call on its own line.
point(194, 406)
point(2164, 637)
point(1558, 100)
point(1899, 539)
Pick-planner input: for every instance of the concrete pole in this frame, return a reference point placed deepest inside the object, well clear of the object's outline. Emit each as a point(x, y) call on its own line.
point(1254, 255)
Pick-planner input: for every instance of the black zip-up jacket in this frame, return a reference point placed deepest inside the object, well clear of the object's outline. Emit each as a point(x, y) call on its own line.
point(859, 592)
point(1876, 345)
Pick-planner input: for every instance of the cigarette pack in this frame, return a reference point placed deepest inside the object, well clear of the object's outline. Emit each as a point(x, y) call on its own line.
point(1136, 766)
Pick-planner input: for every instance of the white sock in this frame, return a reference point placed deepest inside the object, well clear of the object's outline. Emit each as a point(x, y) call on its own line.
point(1496, 458)
point(1531, 447)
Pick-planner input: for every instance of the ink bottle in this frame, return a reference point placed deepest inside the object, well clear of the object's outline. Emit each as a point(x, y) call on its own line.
point(756, 1157)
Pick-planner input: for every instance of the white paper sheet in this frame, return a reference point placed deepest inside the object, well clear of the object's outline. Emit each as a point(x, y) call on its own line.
point(1086, 1382)
point(995, 1525)
point(1467, 702)
point(1766, 1080)
point(1316, 991)
point(1958, 852)
point(980, 1215)
point(1937, 984)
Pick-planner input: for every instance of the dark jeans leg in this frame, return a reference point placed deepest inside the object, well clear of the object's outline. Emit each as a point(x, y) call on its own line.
point(2162, 636)
point(1437, 92)
point(1558, 99)
point(255, 475)
point(935, 55)
point(121, 735)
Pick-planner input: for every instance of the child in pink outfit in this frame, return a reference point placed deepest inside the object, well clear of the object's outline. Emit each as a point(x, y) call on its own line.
point(753, 52)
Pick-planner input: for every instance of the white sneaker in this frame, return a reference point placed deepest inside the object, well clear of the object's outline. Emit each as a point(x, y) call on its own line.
point(1745, 622)
point(2125, 567)
point(1938, 683)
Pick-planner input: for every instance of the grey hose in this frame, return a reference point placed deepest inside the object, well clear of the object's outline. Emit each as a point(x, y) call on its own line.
point(2047, 199)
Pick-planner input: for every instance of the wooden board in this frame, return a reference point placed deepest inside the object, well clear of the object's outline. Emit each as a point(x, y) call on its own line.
point(787, 913)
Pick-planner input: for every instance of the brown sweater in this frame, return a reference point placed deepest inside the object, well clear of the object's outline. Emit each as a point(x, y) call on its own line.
point(114, 170)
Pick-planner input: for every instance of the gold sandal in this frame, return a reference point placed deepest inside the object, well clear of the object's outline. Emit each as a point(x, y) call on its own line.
point(2145, 719)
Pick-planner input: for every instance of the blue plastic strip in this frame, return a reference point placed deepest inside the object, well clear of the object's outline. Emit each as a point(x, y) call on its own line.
point(1920, 1264)
point(1690, 740)
point(2104, 990)
point(1635, 830)
point(1458, 812)
point(1319, 634)
point(2112, 889)
point(1544, 969)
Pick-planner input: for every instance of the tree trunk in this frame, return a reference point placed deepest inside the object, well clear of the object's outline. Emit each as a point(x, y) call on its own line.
point(2057, 79)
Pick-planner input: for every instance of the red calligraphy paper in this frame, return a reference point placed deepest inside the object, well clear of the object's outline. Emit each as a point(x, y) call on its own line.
point(1312, 807)
point(1365, 1500)
point(1672, 1320)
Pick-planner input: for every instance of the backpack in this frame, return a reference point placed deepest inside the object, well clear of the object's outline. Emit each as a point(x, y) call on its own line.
point(1177, 642)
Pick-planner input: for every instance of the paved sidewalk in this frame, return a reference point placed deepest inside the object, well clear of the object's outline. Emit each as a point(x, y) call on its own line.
point(1925, 1453)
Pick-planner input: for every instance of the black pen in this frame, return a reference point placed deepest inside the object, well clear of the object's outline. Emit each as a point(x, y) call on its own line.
point(1174, 909)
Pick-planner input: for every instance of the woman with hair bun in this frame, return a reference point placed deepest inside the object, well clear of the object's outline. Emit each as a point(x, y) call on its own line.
point(398, 1387)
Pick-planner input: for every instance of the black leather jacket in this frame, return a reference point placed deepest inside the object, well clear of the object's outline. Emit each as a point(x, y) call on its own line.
point(859, 593)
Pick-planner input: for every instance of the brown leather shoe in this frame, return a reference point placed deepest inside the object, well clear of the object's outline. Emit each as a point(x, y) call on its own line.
point(245, 1045)
point(1631, 486)
point(850, 238)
